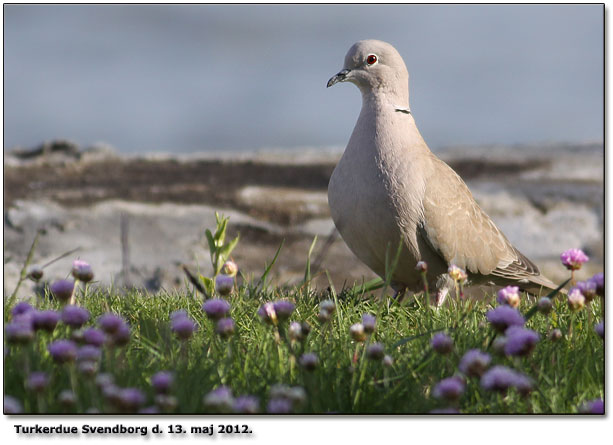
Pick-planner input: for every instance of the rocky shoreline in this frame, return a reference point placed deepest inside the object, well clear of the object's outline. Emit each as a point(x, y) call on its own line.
point(79, 198)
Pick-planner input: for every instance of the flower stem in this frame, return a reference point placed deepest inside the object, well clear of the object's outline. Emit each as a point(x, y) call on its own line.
point(279, 350)
point(363, 366)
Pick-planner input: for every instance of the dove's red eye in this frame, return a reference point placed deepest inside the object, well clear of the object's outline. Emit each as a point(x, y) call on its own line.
point(371, 60)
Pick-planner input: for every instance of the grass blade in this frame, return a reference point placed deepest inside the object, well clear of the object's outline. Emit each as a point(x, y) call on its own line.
point(195, 281)
point(307, 269)
point(24, 269)
point(269, 266)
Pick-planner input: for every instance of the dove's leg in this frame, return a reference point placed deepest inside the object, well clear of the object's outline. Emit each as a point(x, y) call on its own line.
point(443, 284)
point(399, 291)
point(441, 294)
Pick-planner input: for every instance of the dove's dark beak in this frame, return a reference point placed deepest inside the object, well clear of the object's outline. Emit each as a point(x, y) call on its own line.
point(340, 77)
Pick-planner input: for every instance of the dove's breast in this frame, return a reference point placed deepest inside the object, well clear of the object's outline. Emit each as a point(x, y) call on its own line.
point(376, 192)
point(374, 201)
point(361, 211)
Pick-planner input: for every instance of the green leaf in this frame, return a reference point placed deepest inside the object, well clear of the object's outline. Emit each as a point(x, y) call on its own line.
point(209, 284)
point(211, 241)
point(226, 250)
point(220, 233)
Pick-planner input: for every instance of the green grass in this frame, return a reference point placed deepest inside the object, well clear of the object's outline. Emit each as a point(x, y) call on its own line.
point(566, 372)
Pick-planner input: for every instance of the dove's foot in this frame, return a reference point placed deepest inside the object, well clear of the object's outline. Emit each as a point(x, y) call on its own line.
point(399, 292)
point(441, 294)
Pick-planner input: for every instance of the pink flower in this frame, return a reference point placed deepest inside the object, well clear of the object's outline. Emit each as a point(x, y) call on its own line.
point(509, 295)
point(229, 268)
point(457, 274)
point(421, 266)
point(573, 259)
point(82, 271)
point(588, 289)
point(599, 280)
point(357, 332)
point(576, 300)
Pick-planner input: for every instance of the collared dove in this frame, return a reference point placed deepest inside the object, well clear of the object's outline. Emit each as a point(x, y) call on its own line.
point(388, 187)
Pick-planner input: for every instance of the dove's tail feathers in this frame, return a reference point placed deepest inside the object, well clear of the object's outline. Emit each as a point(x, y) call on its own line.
point(525, 274)
point(541, 286)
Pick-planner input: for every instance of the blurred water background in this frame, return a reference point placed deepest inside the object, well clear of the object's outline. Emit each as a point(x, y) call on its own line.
point(187, 78)
point(510, 95)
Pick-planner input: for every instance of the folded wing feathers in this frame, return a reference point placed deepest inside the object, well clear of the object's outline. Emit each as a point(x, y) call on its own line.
point(464, 235)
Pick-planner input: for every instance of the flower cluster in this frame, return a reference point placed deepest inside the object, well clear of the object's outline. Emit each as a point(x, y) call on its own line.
point(182, 325)
point(504, 316)
point(34, 272)
point(62, 290)
point(474, 363)
point(45, 320)
point(449, 389)
point(500, 378)
point(442, 343)
point(82, 271)
point(360, 331)
point(224, 284)
point(19, 330)
point(221, 400)
point(599, 328)
point(225, 328)
point(421, 267)
point(216, 309)
point(276, 312)
point(585, 291)
point(520, 341)
point(88, 357)
point(309, 361)
point(369, 322)
point(588, 289)
point(457, 274)
point(375, 351)
point(575, 299)
point(592, 407)
point(298, 331)
point(509, 295)
point(284, 399)
point(63, 351)
point(74, 316)
point(37, 381)
point(326, 309)
point(88, 342)
point(357, 332)
point(544, 305)
point(162, 381)
point(573, 259)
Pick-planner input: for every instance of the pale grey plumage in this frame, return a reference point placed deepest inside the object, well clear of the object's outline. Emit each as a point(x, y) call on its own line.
point(389, 187)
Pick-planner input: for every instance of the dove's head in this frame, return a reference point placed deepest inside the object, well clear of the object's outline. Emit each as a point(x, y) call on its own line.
point(375, 67)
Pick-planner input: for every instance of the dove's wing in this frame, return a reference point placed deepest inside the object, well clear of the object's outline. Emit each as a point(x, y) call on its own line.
point(463, 234)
